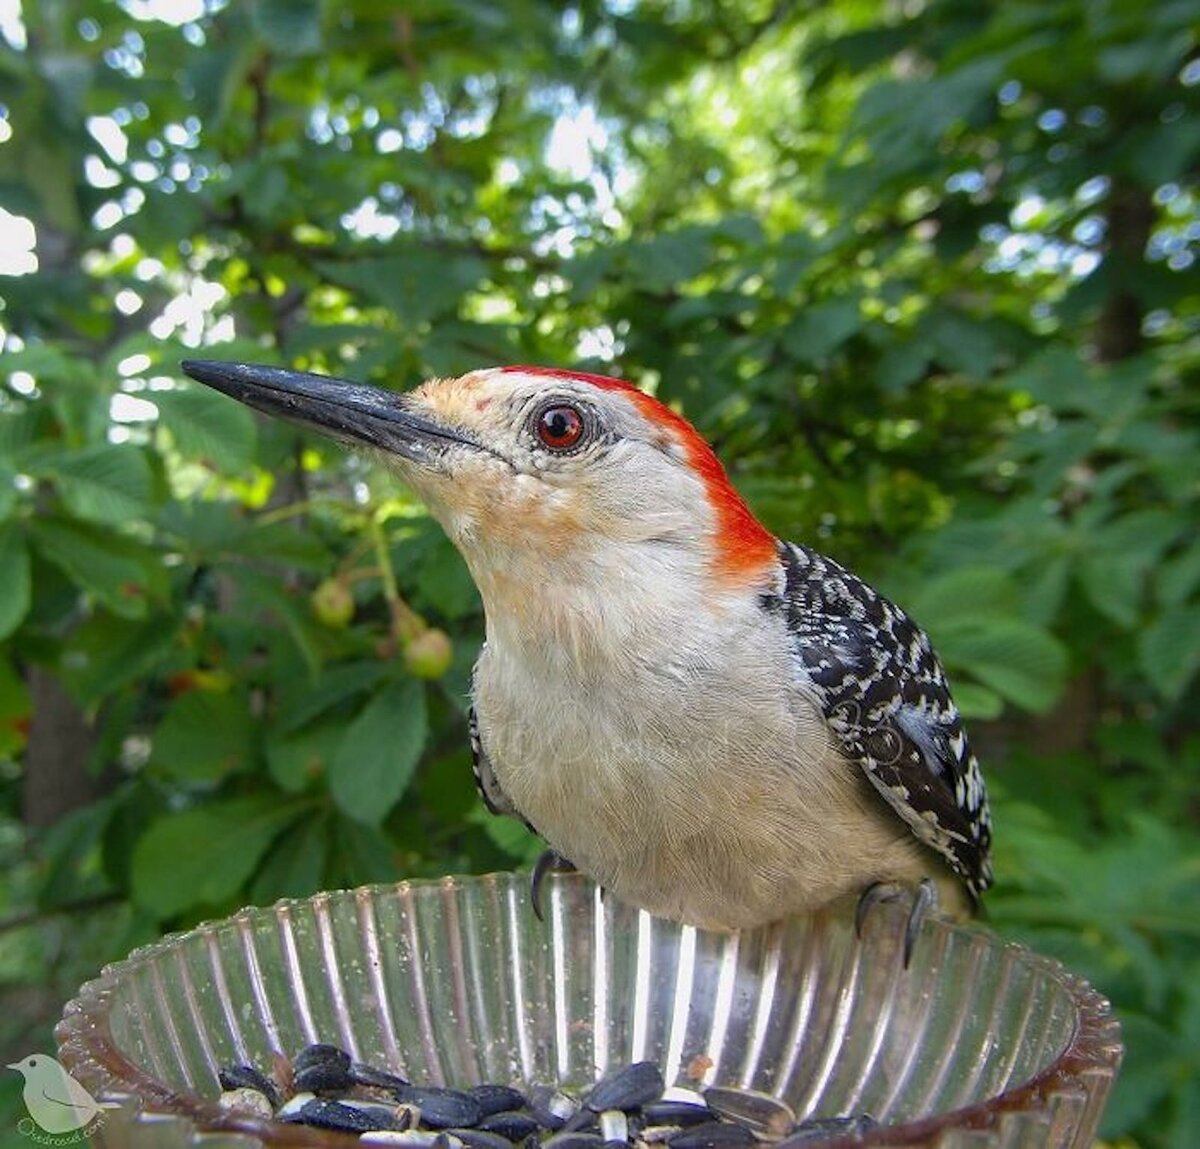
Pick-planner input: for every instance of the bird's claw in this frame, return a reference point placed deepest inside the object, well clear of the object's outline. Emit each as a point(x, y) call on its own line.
point(925, 901)
point(549, 861)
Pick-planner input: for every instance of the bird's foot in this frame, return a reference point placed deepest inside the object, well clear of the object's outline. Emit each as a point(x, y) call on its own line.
point(548, 861)
point(924, 903)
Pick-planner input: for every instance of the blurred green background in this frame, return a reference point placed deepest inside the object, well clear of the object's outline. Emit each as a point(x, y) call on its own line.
point(924, 271)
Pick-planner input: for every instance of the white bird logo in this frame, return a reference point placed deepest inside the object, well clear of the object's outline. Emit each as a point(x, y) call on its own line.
point(55, 1100)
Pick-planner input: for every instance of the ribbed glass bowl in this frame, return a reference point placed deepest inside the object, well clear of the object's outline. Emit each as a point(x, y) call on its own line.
point(979, 1043)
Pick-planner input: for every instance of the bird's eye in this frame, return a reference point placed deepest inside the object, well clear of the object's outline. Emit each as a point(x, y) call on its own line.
point(559, 427)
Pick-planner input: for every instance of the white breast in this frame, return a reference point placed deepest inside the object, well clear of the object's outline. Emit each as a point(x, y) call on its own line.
point(677, 763)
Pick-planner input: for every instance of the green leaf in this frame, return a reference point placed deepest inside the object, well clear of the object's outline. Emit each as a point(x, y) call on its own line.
point(295, 867)
point(1169, 650)
point(416, 286)
point(203, 736)
point(304, 701)
point(204, 856)
point(819, 330)
point(511, 835)
point(8, 493)
point(297, 761)
point(106, 483)
point(967, 592)
point(14, 579)
point(665, 262)
point(1017, 660)
point(1116, 585)
point(269, 593)
point(103, 654)
point(125, 576)
point(1145, 1079)
point(209, 428)
point(977, 702)
point(290, 27)
point(379, 753)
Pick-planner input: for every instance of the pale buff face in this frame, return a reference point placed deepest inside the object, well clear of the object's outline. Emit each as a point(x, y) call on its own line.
point(514, 498)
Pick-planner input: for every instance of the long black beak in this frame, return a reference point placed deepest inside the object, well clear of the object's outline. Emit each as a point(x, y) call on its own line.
point(352, 413)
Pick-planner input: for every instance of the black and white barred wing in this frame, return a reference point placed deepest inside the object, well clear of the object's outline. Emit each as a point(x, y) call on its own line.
point(494, 798)
point(884, 694)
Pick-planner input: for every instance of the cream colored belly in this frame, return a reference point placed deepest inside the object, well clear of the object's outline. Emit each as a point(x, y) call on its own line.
point(731, 812)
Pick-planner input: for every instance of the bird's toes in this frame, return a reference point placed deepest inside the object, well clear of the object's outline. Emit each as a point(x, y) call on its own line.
point(549, 861)
point(924, 903)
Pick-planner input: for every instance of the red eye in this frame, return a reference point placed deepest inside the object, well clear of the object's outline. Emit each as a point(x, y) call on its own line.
point(560, 428)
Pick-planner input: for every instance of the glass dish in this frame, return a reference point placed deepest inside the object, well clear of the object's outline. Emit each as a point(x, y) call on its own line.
point(978, 1044)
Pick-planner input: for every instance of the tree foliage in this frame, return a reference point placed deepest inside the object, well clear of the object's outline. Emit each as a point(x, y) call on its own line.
point(922, 272)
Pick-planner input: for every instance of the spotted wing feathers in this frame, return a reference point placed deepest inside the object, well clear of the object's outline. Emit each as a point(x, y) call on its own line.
point(884, 694)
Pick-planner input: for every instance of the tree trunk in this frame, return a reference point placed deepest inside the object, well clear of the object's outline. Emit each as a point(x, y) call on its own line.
point(60, 742)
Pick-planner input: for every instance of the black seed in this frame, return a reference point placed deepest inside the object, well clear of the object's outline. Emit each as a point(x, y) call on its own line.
point(380, 1110)
point(320, 1054)
point(627, 1088)
point(480, 1139)
point(333, 1115)
point(654, 1134)
point(712, 1135)
point(321, 1068)
point(247, 1077)
point(442, 1108)
point(582, 1121)
point(551, 1107)
point(819, 1129)
point(376, 1078)
point(676, 1113)
point(616, 1144)
point(319, 1078)
point(511, 1124)
point(574, 1141)
point(765, 1115)
point(614, 1127)
point(497, 1098)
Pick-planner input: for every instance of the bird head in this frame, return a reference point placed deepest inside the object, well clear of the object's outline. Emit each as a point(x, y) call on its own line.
point(533, 471)
point(35, 1063)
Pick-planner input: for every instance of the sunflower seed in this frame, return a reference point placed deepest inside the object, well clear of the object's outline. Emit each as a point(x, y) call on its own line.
point(393, 1116)
point(677, 1112)
point(614, 1126)
point(683, 1093)
point(627, 1088)
point(497, 1098)
point(511, 1124)
point(656, 1134)
point(368, 1075)
point(411, 1138)
point(321, 1054)
point(480, 1139)
point(711, 1135)
point(552, 1108)
point(323, 1114)
point(321, 1068)
point(247, 1100)
point(247, 1077)
point(574, 1141)
point(818, 1129)
point(767, 1116)
point(442, 1108)
point(294, 1104)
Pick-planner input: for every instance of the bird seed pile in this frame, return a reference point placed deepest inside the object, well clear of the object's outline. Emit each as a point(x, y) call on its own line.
point(630, 1108)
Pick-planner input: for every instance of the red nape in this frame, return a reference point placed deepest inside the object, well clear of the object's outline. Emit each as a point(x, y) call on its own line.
point(745, 547)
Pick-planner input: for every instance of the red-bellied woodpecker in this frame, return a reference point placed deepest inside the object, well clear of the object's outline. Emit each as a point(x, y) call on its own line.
point(716, 725)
